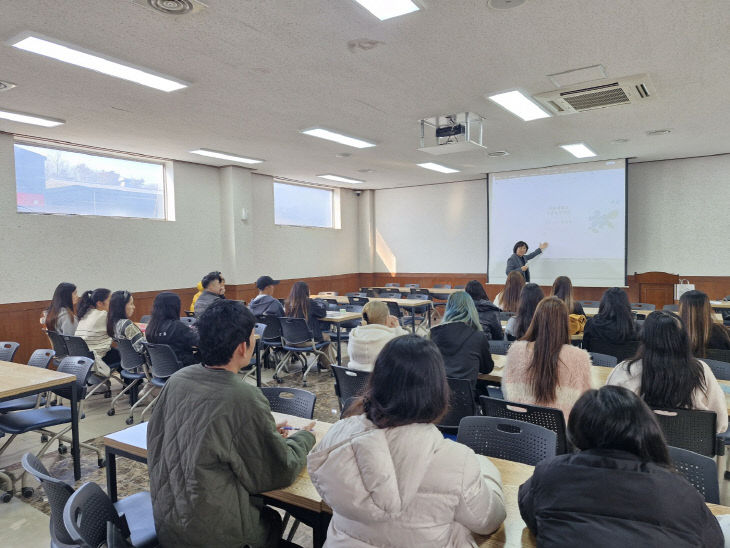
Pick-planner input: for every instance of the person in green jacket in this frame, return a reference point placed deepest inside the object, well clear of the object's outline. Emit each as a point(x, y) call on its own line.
point(213, 445)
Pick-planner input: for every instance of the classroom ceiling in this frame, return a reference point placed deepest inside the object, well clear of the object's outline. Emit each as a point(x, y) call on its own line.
point(261, 71)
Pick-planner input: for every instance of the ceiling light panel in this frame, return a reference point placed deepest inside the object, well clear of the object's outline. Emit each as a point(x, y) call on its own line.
point(438, 167)
point(337, 137)
point(519, 105)
point(579, 150)
point(225, 156)
point(25, 118)
point(75, 55)
point(340, 178)
point(387, 9)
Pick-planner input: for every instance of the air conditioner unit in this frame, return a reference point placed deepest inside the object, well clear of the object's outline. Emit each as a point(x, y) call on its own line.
point(603, 93)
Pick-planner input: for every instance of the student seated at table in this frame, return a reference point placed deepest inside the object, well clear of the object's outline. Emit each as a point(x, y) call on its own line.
point(214, 288)
point(92, 312)
point(389, 475)
point(165, 327)
point(213, 445)
point(543, 368)
point(119, 326)
point(620, 488)
point(508, 299)
point(366, 341)
point(299, 305)
point(665, 374)
point(488, 312)
point(614, 324)
point(265, 303)
point(60, 316)
point(563, 289)
point(517, 326)
point(461, 341)
point(704, 332)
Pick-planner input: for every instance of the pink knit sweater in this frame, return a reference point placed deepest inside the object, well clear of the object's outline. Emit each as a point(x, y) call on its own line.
point(574, 376)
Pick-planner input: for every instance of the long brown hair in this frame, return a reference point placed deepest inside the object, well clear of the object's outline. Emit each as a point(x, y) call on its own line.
point(297, 303)
point(510, 299)
point(696, 314)
point(563, 289)
point(62, 298)
point(548, 332)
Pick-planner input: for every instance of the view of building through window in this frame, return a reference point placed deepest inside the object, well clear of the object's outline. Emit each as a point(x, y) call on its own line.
point(300, 205)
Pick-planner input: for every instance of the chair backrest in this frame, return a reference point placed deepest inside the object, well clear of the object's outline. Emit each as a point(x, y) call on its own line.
point(188, 320)
point(398, 295)
point(699, 470)
point(418, 296)
point(643, 306)
point(362, 301)
point(331, 301)
point(272, 333)
point(356, 294)
point(443, 286)
point(507, 439)
point(163, 361)
point(590, 304)
point(349, 382)
point(721, 370)
point(146, 318)
point(328, 293)
point(79, 366)
point(499, 347)
point(115, 537)
point(77, 346)
point(718, 354)
point(690, 429)
point(59, 345)
point(459, 287)
point(621, 352)
point(8, 350)
point(86, 514)
point(419, 291)
point(392, 284)
point(547, 417)
point(41, 358)
point(504, 316)
point(412, 285)
point(57, 492)
point(495, 392)
point(394, 309)
point(461, 404)
point(295, 330)
point(290, 401)
point(671, 307)
point(259, 329)
point(131, 359)
point(603, 360)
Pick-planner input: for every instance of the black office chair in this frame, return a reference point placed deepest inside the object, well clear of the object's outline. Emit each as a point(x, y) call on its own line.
point(163, 364)
point(590, 304)
point(361, 301)
point(391, 295)
point(412, 285)
point(699, 470)
point(40, 358)
point(356, 294)
point(621, 352)
point(547, 417)
point(392, 284)
point(459, 287)
point(295, 332)
point(690, 429)
point(349, 383)
point(8, 350)
point(671, 307)
point(290, 401)
point(721, 370)
point(58, 344)
point(271, 339)
point(603, 360)
point(507, 439)
point(495, 392)
point(504, 316)
point(499, 347)
point(643, 306)
point(718, 354)
point(132, 364)
point(188, 320)
point(461, 404)
point(77, 346)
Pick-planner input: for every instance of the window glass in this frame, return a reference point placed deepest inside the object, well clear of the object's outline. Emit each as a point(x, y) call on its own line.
point(302, 205)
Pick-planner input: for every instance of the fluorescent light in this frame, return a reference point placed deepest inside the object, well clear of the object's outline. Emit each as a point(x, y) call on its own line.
point(225, 156)
point(337, 137)
point(30, 118)
point(106, 65)
point(519, 105)
point(579, 150)
point(340, 178)
point(386, 9)
point(438, 167)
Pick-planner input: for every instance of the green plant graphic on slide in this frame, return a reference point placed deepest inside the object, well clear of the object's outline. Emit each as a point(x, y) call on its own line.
point(601, 221)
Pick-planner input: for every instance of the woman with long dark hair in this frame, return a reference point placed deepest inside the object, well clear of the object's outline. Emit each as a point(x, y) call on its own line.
point(614, 323)
point(619, 489)
point(543, 368)
point(563, 290)
point(517, 326)
point(389, 475)
point(93, 309)
point(299, 305)
point(118, 325)
point(509, 298)
point(665, 374)
point(703, 331)
point(60, 315)
point(165, 327)
point(488, 312)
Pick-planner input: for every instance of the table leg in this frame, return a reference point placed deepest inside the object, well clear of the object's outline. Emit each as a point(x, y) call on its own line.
point(111, 474)
point(413, 319)
point(319, 531)
point(75, 448)
point(258, 363)
point(428, 311)
point(339, 342)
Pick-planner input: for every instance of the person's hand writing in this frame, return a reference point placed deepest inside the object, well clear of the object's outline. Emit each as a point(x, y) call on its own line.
point(280, 427)
point(524, 268)
point(543, 245)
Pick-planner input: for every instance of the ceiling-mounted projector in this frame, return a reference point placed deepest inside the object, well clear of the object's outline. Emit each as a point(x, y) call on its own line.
point(452, 133)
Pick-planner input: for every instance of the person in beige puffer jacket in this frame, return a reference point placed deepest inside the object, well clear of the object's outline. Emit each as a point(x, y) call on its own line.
point(388, 474)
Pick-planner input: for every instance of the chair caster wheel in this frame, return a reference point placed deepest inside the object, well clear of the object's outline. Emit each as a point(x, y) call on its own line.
point(7, 496)
point(44, 438)
point(27, 492)
point(101, 463)
point(304, 383)
point(62, 449)
point(107, 394)
point(129, 420)
point(111, 412)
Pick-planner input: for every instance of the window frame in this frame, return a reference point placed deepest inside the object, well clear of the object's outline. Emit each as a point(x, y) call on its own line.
point(336, 222)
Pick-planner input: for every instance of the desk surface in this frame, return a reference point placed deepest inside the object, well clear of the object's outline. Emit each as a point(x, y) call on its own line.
point(400, 302)
point(437, 290)
point(339, 317)
point(17, 379)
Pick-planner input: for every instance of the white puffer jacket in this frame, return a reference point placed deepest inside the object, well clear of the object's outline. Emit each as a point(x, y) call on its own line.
point(367, 341)
point(403, 486)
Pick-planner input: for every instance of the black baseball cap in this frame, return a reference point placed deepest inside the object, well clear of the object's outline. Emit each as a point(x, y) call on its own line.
point(265, 281)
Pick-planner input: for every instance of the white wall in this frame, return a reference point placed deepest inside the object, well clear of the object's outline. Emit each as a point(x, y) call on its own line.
point(432, 228)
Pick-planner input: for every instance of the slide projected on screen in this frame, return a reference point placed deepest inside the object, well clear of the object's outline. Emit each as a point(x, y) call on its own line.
point(580, 210)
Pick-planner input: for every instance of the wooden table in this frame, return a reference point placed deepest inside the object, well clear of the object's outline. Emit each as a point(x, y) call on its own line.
point(432, 290)
point(18, 380)
point(404, 303)
point(338, 318)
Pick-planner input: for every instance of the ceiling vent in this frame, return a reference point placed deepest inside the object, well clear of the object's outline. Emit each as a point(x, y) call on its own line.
point(172, 7)
point(597, 94)
point(5, 86)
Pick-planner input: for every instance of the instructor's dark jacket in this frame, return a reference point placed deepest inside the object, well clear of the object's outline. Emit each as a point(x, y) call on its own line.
point(515, 262)
point(465, 351)
point(608, 498)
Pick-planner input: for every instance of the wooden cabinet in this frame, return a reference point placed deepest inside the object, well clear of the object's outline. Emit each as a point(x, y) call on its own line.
point(656, 288)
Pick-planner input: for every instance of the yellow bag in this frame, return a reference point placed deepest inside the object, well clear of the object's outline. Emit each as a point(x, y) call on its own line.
point(576, 323)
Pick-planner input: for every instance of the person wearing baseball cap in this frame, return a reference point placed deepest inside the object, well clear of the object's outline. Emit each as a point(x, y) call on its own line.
point(264, 302)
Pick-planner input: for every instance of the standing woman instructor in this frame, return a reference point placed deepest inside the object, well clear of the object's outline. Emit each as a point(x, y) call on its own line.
point(518, 259)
